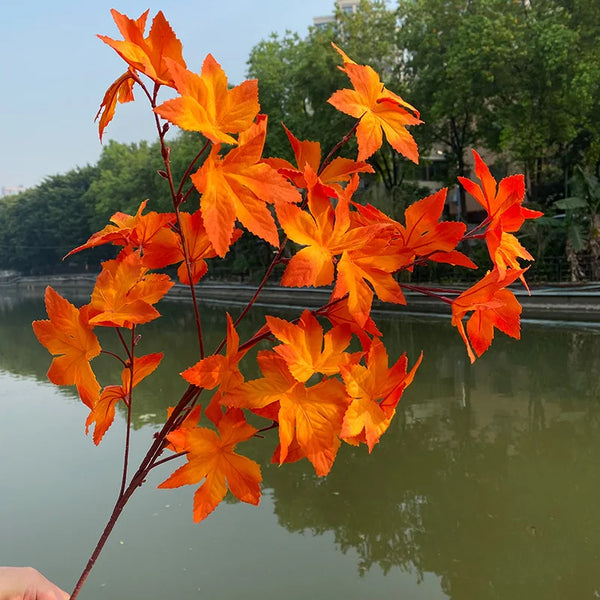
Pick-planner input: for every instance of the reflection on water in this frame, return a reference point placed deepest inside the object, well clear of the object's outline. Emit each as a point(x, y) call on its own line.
point(485, 487)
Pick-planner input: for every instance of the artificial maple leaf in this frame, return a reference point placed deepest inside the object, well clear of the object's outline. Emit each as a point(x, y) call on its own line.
point(208, 105)
point(177, 436)
point(151, 233)
point(379, 110)
point(239, 186)
point(425, 235)
point(125, 292)
point(218, 370)
point(121, 90)
point(68, 336)
point(305, 348)
point(211, 457)
point(308, 153)
point(147, 54)
point(312, 416)
point(338, 313)
point(103, 411)
point(364, 271)
point(492, 306)
point(323, 230)
point(503, 204)
point(505, 249)
point(375, 391)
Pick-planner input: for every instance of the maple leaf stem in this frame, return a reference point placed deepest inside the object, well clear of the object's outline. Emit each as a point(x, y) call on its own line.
point(127, 349)
point(432, 292)
point(188, 267)
point(189, 170)
point(474, 233)
point(162, 461)
point(177, 199)
point(261, 285)
point(107, 352)
point(335, 149)
point(148, 463)
point(273, 425)
point(129, 404)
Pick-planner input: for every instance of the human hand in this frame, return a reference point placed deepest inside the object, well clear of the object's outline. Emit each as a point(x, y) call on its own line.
point(25, 583)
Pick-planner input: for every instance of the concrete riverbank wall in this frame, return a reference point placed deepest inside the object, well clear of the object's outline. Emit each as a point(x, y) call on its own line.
point(561, 303)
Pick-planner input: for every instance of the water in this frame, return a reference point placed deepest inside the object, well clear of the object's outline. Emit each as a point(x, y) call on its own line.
point(485, 487)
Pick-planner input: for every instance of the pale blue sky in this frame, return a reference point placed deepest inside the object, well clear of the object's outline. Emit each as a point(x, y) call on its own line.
point(54, 70)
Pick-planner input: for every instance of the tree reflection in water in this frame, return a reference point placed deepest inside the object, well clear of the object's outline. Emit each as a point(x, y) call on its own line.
point(488, 476)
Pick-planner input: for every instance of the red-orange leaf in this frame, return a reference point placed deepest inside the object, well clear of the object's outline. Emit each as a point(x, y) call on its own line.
point(360, 272)
point(238, 186)
point(305, 348)
point(312, 416)
point(121, 90)
point(380, 111)
point(208, 105)
point(103, 411)
point(375, 391)
point(323, 230)
point(147, 54)
point(308, 154)
point(151, 233)
point(68, 336)
point(198, 247)
point(492, 306)
point(218, 370)
point(503, 204)
point(211, 458)
point(125, 292)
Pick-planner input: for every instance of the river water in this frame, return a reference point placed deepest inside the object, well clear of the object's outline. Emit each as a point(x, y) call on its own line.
point(485, 487)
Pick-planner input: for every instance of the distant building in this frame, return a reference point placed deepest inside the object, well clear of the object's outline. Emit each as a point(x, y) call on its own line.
point(348, 6)
point(7, 190)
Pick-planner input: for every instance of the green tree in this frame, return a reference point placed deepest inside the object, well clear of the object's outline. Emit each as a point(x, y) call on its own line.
point(39, 226)
point(298, 75)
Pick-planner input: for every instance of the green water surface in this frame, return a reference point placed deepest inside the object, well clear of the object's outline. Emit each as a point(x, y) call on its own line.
point(485, 487)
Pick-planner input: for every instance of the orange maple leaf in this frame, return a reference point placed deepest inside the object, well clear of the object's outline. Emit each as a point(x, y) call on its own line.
point(147, 54)
point(151, 233)
point(364, 271)
point(305, 348)
point(219, 370)
point(311, 416)
point(125, 292)
point(211, 457)
point(239, 186)
point(492, 306)
point(121, 90)
point(208, 105)
point(379, 110)
point(308, 154)
point(375, 390)
point(103, 411)
point(503, 204)
point(338, 313)
point(144, 54)
point(423, 235)
point(68, 336)
point(324, 231)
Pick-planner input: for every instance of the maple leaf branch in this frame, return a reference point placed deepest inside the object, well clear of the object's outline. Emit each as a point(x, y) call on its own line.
point(335, 149)
point(432, 292)
point(189, 170)
point(129, 408)
point(177, 199)
point(162, 461)
point(107, 352)
point(147, 463)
